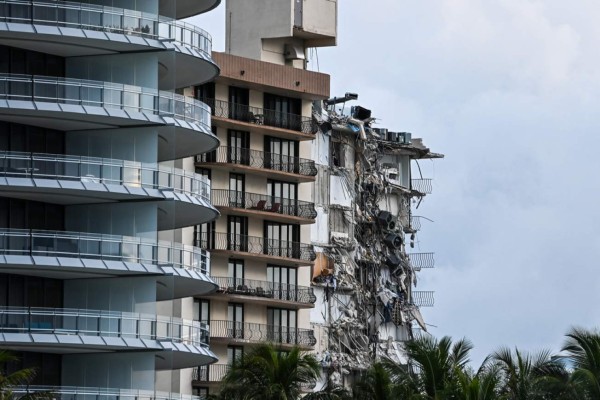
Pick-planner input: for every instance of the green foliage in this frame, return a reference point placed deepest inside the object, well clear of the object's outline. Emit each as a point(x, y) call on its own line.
point(17, 378)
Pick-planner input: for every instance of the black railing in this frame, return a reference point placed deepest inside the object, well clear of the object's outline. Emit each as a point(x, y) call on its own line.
point(210, 373)
point(269, 290)
point(423, 186)
point(262, 202)
point(261, 116)
point(419, 299)
point(259, 159)
point(421, 260)
point(256, 245)
point(251, 332)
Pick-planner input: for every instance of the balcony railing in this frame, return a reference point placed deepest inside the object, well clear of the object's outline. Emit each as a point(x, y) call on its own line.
point(422, 298)
point(421, 260)
point(257, 333)
point(415, 223)
point(261, 116)
point(105, 19)
point(256, 245)
point(259, 159)
point(70, 321)
point(92, 393)
point(210, 373)
point(262, 202)
point(103, 170)
point(24, 242)
point(269, 290)
point(79, 92)
point(423, 186)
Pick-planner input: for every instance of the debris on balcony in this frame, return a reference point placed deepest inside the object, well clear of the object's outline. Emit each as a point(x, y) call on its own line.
point(364, 278)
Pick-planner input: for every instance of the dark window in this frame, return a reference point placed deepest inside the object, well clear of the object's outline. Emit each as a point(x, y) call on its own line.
point(282, 112)
point(237, 233)
point(204, 172)
point(282, 239)
point(31, 139)
point(202, 310)
point(19, 61)
point(238, 145)
point(281, 154)
point(201, 391)
point(283, 281)
point(236, 272)
point(336, 156)
point(235, 316)
point(234, 353)
point(237, 190)
point(24, 214)
point(282, 325)
point(204, 235)
point(238, 103)
point(283, 197)
point(206, 94)
point(30, 291)
point(47, 367)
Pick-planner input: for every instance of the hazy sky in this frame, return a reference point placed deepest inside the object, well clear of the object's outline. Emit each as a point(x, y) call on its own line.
point(509, 91)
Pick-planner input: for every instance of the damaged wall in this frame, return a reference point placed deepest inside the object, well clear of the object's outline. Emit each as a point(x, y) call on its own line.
point(363, 277)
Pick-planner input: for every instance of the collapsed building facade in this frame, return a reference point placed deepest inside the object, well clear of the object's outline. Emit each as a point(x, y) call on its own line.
point(365, 274)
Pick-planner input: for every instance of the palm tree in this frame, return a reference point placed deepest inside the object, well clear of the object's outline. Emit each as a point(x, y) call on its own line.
point(8, 383)
point(434, 368)
point(528, 377)
point(481, 385)
point(583, 352)
point(375, 384)
point(268, 374)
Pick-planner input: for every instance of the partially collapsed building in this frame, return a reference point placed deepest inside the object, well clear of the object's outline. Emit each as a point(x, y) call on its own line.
point(365, 272)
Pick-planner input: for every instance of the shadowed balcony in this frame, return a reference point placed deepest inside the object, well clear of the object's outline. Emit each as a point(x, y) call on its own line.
point(231, 331)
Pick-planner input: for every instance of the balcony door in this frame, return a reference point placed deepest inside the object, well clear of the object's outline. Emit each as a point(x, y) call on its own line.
point(237, 190)
point(202, 310)
point(238, 147)
point(283, 197)
point(282, 155)
point(281, 240)
point(238, 103)
point(283, 281)
point(237, 233)
point(235, 318)
point(282, 325)
point(236, 275)
point(204, 235)
point(282, 112)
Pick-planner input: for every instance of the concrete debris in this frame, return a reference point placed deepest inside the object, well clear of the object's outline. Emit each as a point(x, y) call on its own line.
point(368, 279)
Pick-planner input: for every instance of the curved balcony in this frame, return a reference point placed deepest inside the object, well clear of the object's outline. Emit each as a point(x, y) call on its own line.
point(57, 103)
point(260, 205)
point(88, 393)
point(261, 120)
point(186, 8)
point(77, 29)
point(262, 292)
point(209, 373)
point(421, 260)
point(422, 298)
point(257, 162)
point(244, 332)
point(182, 270)
point(69, 330)
point(258, 248)
point(421, 187)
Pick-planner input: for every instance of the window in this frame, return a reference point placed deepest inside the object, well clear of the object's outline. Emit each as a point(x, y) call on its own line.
point(204, 235)
point(236, 272)
point(202, 310)
point(282, 154)
point(235, 316)
point(282, 325)
point(282, 239)
point(234, 353)
point(238, 103)
point(282, 197)
point(206, 94)
point(237, 233)
point(238, 144)
point(283, 281)
point(282, 112)
point(237, 190)
point(206, 172)
point(201, 391)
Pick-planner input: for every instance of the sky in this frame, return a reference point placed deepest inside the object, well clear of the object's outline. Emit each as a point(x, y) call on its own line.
point(509, 91)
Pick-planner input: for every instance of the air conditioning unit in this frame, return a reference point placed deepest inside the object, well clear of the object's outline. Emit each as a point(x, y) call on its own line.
point(360, 113)
point(392, 136)
point(404, 137)
point(382, 132)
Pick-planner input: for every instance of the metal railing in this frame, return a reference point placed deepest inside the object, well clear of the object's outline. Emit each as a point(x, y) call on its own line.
point(256, 245)
point(210, 373)
point(259, 159)
point(261, 116)
point(421, 260)
point(423, 186)
point(79, 92)
point(105, 19)
point(415, 223)
point(263, 202)
point(103, 170)
point(70, 321)
point(93, 393)
point(269, 290)
point(422, 298)
point(26, 242)
point(251, 332)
